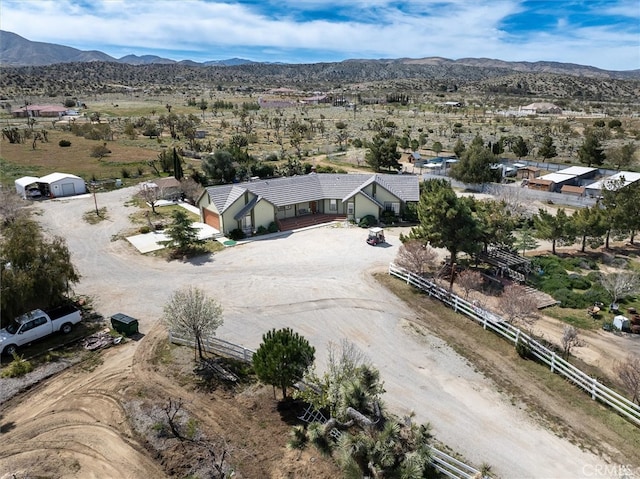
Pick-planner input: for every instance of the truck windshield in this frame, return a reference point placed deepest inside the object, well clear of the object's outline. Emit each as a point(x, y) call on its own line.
point(13, 327)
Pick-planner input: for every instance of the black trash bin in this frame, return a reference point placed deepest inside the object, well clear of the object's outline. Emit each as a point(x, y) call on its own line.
point(124, 324)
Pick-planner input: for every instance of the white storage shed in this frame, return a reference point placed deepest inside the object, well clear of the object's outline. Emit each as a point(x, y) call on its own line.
point(62, 184)
point(22, 184)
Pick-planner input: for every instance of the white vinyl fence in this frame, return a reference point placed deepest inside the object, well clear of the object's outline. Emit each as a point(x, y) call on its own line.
point(443, 463)
point(557, 364)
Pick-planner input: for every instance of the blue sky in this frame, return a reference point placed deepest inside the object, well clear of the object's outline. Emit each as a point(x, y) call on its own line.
point(601, 33)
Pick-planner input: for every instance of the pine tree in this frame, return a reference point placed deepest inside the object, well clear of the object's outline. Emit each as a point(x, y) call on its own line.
point(182, 235)
point(520, 148)
point(283, 358)
point(446, 221)
point(591, 153)
point(548, 149)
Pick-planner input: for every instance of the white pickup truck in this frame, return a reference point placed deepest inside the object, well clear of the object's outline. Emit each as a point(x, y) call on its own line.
point(36, 325)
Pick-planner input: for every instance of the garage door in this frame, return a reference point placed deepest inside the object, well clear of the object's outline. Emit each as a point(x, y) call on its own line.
point(68, 189)
point(212, 219)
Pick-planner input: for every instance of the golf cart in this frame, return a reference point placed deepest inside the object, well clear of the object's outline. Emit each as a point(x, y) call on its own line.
point(376, 236)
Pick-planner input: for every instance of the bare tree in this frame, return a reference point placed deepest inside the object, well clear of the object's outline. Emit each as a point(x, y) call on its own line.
point(629, 373)
point(570, 340)
point(416, 257)
point(171, 410)
point(518, 306)
point(620, 284)
point(468, 280)
point(190, 312)
point(191, 189)
point(151, 194)
point(11, 207)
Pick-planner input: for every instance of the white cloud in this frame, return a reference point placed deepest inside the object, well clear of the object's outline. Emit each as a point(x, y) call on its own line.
point(453, 29)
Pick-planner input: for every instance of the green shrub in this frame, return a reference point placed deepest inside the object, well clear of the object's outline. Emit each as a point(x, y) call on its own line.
point(192, 429)
point(297, 438)
point(144, 230)
point(367, 221)
point(125, 173)
point(570, 299)
point(595, 295)
point(579, 282)
point(236, 234)
point(18, 367)
point(318, 439)
point(262, 230)
point(64, 143)
point(594, 276)
point(388, 217)
point(273, 227)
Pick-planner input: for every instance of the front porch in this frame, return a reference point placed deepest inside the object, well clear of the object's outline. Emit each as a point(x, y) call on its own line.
point(304, 221)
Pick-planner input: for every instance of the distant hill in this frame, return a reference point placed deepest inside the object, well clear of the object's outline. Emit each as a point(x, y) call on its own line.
point(145, 60)
point(231, 62)
point(18, 51)
point(43, 68)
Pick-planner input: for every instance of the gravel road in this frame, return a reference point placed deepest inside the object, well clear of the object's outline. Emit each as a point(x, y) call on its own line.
point(319, 283)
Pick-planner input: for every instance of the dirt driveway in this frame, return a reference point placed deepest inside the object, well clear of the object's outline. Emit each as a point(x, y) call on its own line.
point(317, 282)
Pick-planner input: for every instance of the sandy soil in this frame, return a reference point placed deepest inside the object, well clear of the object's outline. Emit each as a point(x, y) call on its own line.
point(318, 282)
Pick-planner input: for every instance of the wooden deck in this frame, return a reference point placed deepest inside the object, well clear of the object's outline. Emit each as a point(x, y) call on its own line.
point(305, 221)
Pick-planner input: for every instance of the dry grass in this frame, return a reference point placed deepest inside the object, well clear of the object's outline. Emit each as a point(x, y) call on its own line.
point(20, 159)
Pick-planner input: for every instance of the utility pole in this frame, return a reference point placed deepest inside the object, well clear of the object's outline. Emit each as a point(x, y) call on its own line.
point(95, 200)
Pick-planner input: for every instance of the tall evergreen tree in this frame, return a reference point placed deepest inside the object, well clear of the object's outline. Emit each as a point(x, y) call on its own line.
point(178, 173)
point(475, 165)
point(548, 149)
point(283, 358)
point(590, 223)
point(459, 148)
point(520, 148)
point(181, 233)
point(446, 221)
point(621, 203)
point(591, 153)
point(383, 153)
point(557, 229)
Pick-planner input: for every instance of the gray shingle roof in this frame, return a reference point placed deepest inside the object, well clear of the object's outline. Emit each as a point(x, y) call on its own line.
point(314, 187)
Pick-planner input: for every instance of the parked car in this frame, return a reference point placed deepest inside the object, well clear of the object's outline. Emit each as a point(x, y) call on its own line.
point(33, 193)
point(36, 325)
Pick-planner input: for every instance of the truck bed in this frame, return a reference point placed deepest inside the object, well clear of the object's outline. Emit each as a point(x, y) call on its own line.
point(61, 311)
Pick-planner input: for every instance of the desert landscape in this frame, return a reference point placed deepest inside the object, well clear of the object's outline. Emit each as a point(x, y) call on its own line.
point(147, 407)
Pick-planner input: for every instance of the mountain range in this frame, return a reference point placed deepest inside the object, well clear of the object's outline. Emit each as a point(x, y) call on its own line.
point(16, 51)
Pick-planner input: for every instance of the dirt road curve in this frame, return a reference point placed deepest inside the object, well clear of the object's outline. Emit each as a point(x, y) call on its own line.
point(317, 282)
point(76, 424)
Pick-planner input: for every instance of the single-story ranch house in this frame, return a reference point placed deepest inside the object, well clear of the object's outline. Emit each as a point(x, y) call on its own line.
point(315, 198)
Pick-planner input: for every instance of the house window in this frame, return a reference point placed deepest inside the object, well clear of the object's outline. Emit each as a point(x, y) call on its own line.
point(333, 205)
point(280, 208)
point(350, 208)
point(392, 206)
